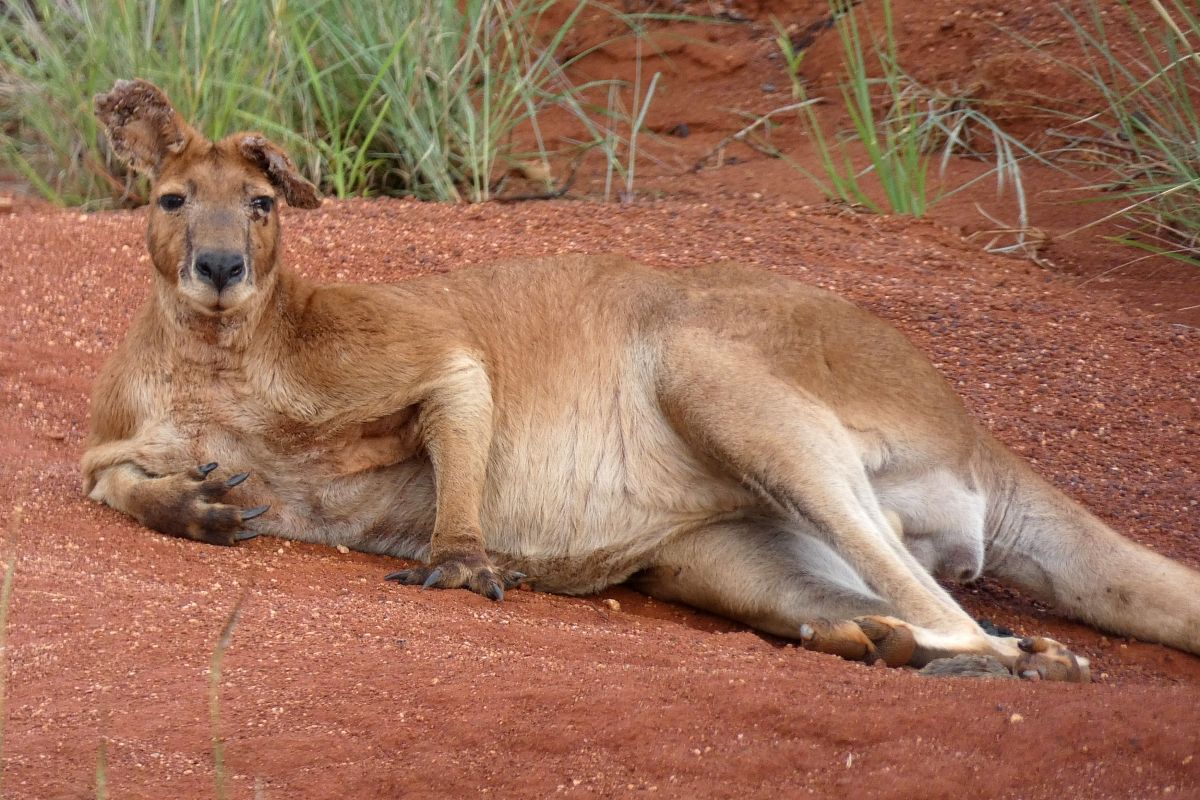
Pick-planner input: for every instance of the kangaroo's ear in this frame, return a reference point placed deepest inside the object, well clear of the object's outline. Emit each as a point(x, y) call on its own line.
point(141, 124)
point(280, 171)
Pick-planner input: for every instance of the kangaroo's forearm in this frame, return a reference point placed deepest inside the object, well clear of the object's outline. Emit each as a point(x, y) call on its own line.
point(456, 421)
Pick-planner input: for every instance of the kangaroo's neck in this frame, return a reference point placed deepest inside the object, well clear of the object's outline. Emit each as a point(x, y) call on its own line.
point(227, 340)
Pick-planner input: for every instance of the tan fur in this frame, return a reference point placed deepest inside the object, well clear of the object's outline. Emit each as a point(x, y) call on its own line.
point(720, 436)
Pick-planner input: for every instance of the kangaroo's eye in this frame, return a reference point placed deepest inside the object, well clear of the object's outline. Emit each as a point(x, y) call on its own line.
point(171, 202)
point(263, 204)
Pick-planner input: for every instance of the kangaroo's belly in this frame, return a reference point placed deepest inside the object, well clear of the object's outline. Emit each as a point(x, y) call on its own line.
point(575, 500)
point(579, 512)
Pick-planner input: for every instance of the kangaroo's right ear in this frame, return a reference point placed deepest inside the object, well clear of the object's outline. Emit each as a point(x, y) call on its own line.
point(142, 126)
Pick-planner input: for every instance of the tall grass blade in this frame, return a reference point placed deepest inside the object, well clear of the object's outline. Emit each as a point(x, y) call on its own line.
point(214, 698)
point(102, 771)
point(5, 603)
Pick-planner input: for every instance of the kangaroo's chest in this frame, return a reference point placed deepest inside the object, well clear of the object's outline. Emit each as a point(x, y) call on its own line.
point(320, 480)
point(223, 413)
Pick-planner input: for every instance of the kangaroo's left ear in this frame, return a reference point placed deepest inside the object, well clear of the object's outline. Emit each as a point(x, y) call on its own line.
point(279, 169)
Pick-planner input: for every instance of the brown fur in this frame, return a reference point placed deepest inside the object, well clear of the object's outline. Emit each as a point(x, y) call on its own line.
point(720, 437)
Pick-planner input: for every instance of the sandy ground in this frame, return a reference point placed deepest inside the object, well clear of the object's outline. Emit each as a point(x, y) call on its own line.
point(339, 685)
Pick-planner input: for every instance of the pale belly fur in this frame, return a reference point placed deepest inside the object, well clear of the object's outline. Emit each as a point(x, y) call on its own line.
point(577, 497)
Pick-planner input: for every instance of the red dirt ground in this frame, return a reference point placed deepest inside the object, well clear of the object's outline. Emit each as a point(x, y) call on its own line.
point(339, 685)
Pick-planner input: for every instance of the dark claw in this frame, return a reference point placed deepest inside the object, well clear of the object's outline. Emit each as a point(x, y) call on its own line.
point(401, 576)
point(204, 469)
point(236, 480)
point(513, 579)
point(433, 578)
point(494, 591)
point(244, 536)
point(251, 513)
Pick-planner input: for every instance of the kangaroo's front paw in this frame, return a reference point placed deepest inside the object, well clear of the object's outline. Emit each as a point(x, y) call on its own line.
point(474, 572)
point(188, 505)
point(1044, 659)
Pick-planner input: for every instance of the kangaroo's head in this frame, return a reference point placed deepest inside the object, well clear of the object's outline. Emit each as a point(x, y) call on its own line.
point(214, 222)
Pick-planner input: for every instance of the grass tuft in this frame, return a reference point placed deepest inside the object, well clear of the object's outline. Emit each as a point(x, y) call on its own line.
point(900, 129)
point(422, 98)
point(1148, 133)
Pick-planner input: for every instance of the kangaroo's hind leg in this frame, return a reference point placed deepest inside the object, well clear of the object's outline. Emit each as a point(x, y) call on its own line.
point(777, 580)
point(774, 576)
point(793, 451)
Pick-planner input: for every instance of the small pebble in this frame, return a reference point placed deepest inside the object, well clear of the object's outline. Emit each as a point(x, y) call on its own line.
point(341, 548)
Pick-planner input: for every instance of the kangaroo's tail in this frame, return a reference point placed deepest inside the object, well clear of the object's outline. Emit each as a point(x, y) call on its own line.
point(1049, 546)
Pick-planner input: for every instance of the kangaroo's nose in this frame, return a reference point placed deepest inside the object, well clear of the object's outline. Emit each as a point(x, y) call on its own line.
point(220, 267)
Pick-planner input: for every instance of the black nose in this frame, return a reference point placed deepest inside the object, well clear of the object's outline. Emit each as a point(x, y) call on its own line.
point(220, 267)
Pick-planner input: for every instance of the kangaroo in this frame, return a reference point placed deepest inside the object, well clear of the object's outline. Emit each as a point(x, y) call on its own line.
point(719, 437)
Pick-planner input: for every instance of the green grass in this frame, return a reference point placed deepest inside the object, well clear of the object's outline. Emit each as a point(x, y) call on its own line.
point(902, 134)
point(1148, 132)
point(425, 98)
point(610, 143)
